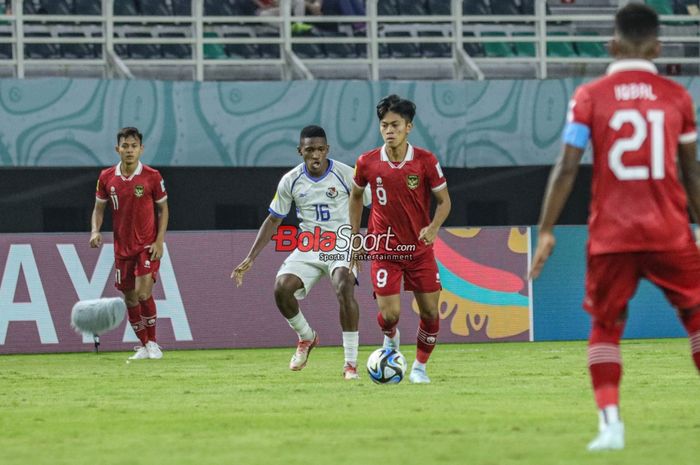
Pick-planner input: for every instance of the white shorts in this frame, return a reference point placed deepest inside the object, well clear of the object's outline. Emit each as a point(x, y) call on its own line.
point(309, 267)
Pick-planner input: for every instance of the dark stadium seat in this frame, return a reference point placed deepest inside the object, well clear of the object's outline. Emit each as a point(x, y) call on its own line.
point(268, 50)
point(218, 8)
point(142, 51)
point(55, 7)
point(403, 50)
point(387, 8)
point(5, 49)
point(182, 7)
point(308, 50)
point(87, 7)
point(154, 8)
point(175, 51)
point(339, 50)
point(434, 50)
point(473, 49)
point(505, 7)
point(29, 7)
point(40, 50)
point(125, 8)
point(438, 7)
point(527, 7)
point(76, 50)
point(412, 7)
point(242, 50)
point(475, 7)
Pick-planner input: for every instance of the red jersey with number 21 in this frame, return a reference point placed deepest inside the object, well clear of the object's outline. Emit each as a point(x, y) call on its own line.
point(400, 193)
point(636, 120)
point(133, 206)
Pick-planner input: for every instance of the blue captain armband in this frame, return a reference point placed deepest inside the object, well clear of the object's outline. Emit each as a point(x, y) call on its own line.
point(576, 135)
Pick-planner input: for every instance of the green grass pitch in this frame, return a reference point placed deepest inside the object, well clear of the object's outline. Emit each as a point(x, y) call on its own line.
point(490, 404)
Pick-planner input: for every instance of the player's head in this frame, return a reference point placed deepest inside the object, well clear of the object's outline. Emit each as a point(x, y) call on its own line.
point(636, 32)
point(129, 145)
point(313, 147)
point(395, 119)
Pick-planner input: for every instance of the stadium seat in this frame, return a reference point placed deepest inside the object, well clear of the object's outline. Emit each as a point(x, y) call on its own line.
point(244, 7)
point(29, 7)
point(527, 7)
point(308, 50)
point(154, 8)
point(387, 8)
point(55, 7)
point(125, 8)
point(475, 7)
point(525, 49)
point(339, 50)
point(242, 50)
point(473, 49)
point(5, 49)
point(142, 51)
point(76, 50)
point(268, 50)
point(402, 50)
point(40, 50)
point(434, 50)
point(87, 7)
point(412, 7)
point(439, 7)
point(662, 7)
point(560, 49)
point(591, 49)
point(497, 49)
point(182, 7)
point(175, 51)
point(213, 51)
point(505, 7)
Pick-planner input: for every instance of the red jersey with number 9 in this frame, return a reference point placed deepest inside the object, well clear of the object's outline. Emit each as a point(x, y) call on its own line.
point(636, 120)
point(133, 201)
point(400, 194)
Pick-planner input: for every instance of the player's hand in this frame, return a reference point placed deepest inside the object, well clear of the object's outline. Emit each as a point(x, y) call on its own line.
point(156, 250)
point(545, 245)
point(95, 240)
point(240, 270)
point(428, 235)
point(355, 264)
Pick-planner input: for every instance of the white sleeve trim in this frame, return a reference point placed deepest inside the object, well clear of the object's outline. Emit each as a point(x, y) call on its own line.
point(100, 200)
point(688, 138)
point(440, 187)
point(162, 200)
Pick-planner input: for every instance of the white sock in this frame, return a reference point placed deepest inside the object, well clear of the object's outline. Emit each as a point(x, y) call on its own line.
point(351, 339)
point(418, 365)
point(610, 414)
point(301, 326)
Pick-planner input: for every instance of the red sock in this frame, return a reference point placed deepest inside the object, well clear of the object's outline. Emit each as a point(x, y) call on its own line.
point(427, 337)
point(137, 323)
point(691, 322)
point(389, 329)
point(605, 362)
point(148, 312)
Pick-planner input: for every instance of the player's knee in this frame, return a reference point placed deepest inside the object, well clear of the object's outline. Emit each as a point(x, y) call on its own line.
point(143, 296)
point(131, 302)
point(606, 331)
point(283, 291)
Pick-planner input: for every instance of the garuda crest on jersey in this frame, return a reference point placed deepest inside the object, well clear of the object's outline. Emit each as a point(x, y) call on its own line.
point(138, 191)
point(332, 192)
point(412, 181)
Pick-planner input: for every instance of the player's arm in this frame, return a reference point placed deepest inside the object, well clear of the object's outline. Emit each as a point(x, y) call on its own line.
point(690, 173)
point(442, 210)
point(561, 182)
point(98, 216)
point(355, 205)
point(267, 229)
point(156, 248)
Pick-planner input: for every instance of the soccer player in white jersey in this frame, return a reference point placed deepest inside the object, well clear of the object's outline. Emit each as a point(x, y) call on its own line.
point(320, 187)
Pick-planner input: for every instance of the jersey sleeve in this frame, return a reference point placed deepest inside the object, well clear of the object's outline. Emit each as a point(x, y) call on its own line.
point(689, 132)
point(577, 131)
point(436, 179)
point(101, 189)
point(282, 201)
point(360, 177)
point(159, 193)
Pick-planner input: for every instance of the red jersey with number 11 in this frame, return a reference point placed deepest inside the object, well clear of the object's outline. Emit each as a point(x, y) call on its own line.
point(636, 120)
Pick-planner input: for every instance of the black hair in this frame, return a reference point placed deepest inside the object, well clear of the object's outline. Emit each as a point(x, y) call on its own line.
point(637, 23)
point(312, 131)
point(395, 104)
point(129, 132)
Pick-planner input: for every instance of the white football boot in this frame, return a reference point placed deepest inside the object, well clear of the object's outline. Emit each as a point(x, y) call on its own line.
point(418, 374)
point(301, 356)
point(610, 437)
point(154, 351)
point(141, 353)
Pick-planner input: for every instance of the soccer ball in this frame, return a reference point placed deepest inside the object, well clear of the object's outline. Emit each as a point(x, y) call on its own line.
point(386, 366)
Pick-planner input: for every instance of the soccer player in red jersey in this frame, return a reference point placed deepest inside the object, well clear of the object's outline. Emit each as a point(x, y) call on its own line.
point(134, 191)
point(402, 179)
point(642, 127)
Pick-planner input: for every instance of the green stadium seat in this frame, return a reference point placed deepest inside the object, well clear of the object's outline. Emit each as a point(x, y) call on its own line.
point(525, 49)
point(662, 7)
point(560, 49)
point(591, 49)
point(497, 49)
point(213, 51)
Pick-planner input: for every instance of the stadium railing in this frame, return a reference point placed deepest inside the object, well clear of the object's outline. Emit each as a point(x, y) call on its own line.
point(375, 46)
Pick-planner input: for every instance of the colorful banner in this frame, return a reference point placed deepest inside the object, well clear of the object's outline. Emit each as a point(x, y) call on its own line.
point(485, 296)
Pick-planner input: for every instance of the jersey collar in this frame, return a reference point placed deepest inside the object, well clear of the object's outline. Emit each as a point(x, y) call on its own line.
point(632, 65)
point(384, 157)
point(138, 170)
point(328, 170)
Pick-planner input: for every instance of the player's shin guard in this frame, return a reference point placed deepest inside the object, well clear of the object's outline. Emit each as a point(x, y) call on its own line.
point(428, 330)
point(691, 322)
point(389, 329)
point(137, 323)
point(148, 313)
point(605, 362)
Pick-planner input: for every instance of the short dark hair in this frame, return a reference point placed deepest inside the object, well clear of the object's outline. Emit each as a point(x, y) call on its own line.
point(312, 131)
point(637, 23)
point(129, 132)
point(395, 104)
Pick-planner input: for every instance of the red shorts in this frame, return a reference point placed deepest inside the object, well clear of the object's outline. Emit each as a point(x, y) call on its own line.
point(139, 265)
point(419, 274)
point(611, 279)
